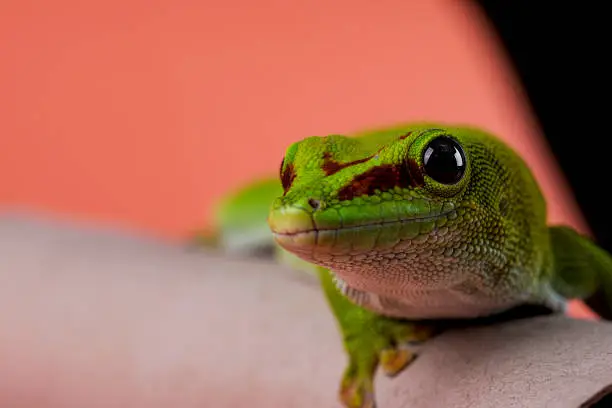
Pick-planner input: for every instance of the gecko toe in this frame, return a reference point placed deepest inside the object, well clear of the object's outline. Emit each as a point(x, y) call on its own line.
point(394, 360)
point(357, 392)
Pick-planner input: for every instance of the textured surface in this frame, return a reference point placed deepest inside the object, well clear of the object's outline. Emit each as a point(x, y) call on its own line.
point(547, 362)
point(96, 318)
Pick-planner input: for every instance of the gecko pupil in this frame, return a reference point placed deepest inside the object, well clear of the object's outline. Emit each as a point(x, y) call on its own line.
point(444, 160)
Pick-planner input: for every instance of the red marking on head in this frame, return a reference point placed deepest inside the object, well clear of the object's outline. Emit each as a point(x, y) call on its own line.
point(287, 176)
point(330, 166)
point(416, 173)
point(382, 178)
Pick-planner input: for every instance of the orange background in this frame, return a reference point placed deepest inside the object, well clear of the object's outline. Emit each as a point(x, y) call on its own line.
point(141, 113)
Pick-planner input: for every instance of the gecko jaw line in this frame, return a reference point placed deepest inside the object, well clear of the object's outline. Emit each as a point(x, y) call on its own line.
point(364, 226)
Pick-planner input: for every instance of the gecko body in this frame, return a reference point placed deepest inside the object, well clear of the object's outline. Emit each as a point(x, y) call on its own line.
point(412, 224)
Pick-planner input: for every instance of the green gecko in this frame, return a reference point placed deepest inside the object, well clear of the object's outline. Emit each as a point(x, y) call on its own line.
point(409, 226)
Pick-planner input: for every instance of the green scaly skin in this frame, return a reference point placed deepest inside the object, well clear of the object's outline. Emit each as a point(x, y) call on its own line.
point(397, 250)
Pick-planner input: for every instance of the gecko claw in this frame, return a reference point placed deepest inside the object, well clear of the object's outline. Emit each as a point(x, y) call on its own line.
point(357, 392)
point(393, 361)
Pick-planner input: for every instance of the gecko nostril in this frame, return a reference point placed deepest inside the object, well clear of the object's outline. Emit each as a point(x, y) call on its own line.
point(314, 203)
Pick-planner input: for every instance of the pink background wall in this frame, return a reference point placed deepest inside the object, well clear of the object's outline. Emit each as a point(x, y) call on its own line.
point(139, 113)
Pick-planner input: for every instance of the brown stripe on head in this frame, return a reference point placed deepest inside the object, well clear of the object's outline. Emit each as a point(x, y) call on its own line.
point(287, 176)
point(382, 178)
point(415, 172)
point(405, 135)
point(331, 166)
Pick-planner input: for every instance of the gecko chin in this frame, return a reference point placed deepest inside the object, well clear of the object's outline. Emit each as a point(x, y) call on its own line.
point(432, 271)
point(412, 250)
point(400, 249)
point(394, 258)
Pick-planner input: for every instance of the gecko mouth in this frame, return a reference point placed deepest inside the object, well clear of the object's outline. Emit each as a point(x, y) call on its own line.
point(297, 231)
point(366, 226)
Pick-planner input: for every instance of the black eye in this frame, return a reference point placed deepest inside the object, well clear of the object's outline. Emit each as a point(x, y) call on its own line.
point(444, 160)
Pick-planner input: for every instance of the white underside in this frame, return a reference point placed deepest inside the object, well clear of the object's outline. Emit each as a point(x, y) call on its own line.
point(444, 303)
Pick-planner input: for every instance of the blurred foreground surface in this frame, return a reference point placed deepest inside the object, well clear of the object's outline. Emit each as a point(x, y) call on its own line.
point(98, 318)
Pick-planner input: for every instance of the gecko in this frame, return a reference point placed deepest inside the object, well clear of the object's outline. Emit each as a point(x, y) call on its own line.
point(408, 227)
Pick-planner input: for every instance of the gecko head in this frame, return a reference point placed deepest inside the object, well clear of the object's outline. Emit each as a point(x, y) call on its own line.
point(402, 210)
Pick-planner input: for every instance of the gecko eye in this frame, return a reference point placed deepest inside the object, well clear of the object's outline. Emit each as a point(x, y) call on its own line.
point(444, 160)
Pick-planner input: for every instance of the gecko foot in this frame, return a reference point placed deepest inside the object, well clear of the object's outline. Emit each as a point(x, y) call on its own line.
point(386, 342)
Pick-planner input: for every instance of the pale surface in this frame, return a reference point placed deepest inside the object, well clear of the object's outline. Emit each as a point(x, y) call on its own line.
point(96, 318)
